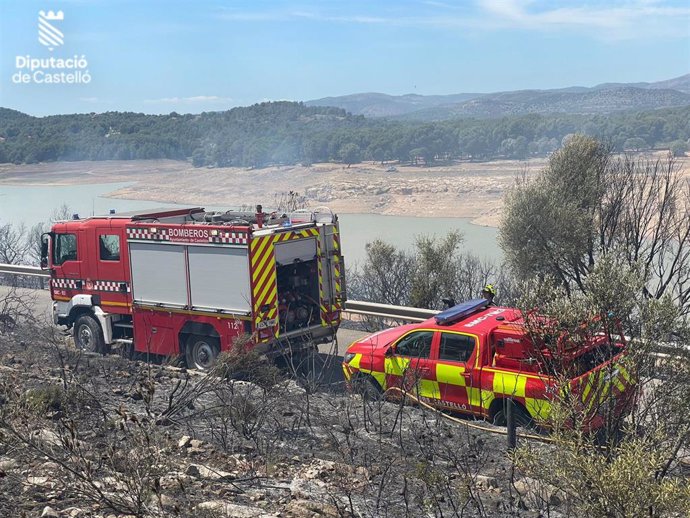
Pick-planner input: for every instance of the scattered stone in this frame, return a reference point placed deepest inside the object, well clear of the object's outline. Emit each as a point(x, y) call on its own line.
point(37, 481)
point(223, 508)
point(537, 493)
point(7, 464)
point(49, 512)
point(184, 441)
point(311, 509)
point(204, 472)
point(487, 482)
point(46, 438)
point(196, 443)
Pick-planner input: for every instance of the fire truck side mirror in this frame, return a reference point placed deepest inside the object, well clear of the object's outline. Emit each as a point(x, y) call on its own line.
point(44, 250)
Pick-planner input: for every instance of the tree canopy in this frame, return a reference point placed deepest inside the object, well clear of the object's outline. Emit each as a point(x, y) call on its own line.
point(290, 133)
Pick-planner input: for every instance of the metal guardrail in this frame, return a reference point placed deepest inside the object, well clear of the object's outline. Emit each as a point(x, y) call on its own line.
point(375, 309)
point(354, 307)
point(17, 269)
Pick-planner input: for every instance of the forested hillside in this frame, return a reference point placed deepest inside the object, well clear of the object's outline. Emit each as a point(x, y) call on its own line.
point(597, 100)
point(288, 133)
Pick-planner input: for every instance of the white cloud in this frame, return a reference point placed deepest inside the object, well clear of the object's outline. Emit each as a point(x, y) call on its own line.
point(626, 18)
point(620, 19)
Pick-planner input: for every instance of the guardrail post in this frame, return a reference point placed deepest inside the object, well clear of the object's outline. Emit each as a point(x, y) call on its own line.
point(510, 424)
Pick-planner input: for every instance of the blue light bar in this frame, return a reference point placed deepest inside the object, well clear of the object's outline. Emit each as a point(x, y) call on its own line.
point(460, 311)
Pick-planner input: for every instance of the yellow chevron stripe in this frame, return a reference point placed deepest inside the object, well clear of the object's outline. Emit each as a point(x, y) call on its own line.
point(264, 294)
point(268, 278)
point(260, 266)
point(260, 249)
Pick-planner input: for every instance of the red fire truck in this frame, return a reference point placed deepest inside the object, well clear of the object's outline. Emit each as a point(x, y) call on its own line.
point(190, 282)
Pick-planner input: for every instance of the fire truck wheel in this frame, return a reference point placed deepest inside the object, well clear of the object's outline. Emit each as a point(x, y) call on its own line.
point(522, 417)
point(88, 335)
point(201, 352)
point(367, 387)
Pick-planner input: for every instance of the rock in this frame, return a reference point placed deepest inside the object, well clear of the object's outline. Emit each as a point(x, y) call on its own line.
point(196, 443)
point(487, 482)
point(311, 509)
point(167, 502)
point(174, 481)
point(37, 481)
point(223, 508)
point(207, 473)
point(49, 512)
point(537, 493)
point(184, 441)
point(48, 467)
point(7, 464)
point(46, 438)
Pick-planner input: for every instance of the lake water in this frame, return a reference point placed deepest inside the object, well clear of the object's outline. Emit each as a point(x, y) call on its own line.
point(34, 204)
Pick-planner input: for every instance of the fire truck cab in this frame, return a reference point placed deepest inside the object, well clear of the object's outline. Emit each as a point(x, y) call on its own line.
point(192, 282)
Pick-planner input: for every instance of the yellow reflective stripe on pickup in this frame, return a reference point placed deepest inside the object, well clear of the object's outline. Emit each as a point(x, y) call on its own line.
point(450, 374)
point(397, 365)
point(480, 398)
point(538, 408)
point(509, 384)
point(378, 376)
point(428, 388)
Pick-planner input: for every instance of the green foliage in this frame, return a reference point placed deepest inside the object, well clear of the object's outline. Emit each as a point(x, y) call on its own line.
point(43, 399)
point(630, 467)
point(435, 269)
point(288, 133)
point(587, 205)
point(435, 276)
point(626, 485)
point(678, 148)
point(350, 153)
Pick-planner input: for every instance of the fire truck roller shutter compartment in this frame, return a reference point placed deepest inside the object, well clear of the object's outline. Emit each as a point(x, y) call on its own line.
point(298, 284)
point(158, 274)
point(219, 278)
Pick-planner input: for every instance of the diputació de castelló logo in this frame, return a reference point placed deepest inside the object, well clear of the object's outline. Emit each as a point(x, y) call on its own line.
point(51, 69)
point(48, 32)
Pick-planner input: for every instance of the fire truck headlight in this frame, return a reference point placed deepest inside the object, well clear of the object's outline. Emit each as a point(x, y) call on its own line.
point(348, 357)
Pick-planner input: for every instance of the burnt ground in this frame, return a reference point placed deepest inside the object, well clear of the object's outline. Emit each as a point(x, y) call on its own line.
point(89, 435)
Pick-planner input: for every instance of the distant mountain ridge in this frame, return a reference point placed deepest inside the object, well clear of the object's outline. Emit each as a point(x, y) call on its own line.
point(600, 99)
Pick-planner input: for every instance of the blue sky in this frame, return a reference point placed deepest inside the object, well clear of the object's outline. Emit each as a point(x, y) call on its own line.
point(194, 56)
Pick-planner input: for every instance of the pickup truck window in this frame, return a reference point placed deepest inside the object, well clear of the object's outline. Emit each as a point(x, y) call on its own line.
point(455, 347)
point(65, 248)
point(415, 345)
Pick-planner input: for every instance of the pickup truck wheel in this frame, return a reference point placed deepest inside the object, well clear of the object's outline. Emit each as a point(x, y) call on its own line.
point(201, 352)
point(88, 335)
point(522, 417)
point(367, 387)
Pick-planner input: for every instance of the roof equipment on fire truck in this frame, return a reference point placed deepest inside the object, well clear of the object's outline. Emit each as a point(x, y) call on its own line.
point(452, 315)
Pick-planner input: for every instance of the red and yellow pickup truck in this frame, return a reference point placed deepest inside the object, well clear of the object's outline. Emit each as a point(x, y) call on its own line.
point(473, 358)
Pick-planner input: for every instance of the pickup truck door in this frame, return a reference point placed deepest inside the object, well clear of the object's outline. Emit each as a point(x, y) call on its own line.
point(409, 366)
point(455, 371)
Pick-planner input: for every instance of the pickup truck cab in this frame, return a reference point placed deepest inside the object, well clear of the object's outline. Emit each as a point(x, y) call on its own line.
point(473, 357)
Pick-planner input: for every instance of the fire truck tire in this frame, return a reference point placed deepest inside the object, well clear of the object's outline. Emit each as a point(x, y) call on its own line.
point(201, 352)
point(88, 335)
point(367, 387)
point(522, 417)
